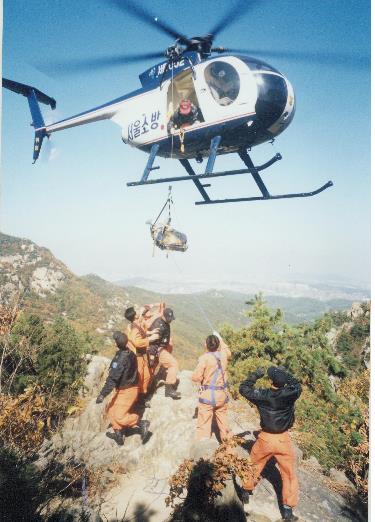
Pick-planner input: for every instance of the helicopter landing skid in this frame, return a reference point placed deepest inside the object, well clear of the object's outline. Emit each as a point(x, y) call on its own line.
point(208, 174)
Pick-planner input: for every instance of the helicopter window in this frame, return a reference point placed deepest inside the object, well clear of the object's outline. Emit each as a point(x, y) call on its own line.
point(256, 65)
point(223, 81)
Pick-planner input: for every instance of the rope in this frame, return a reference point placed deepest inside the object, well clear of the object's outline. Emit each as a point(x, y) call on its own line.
point(172, 109)
point(199, 306)
point(168, 202)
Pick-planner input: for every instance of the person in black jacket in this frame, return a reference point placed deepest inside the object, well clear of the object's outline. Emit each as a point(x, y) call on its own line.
point(122, 377)
point(162, 348)
point(276, 409)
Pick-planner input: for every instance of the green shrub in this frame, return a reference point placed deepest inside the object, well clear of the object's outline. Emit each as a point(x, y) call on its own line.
point(60, 363)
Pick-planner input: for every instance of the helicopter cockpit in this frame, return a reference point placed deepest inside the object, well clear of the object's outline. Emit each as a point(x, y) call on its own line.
point(223, 81)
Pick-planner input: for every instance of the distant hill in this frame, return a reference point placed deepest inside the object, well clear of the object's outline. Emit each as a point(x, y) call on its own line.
point(44, 285)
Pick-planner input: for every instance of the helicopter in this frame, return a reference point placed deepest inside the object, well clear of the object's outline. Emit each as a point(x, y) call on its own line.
point(239, 102)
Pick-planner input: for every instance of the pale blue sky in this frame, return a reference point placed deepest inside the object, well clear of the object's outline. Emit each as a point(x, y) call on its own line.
point(78, 205)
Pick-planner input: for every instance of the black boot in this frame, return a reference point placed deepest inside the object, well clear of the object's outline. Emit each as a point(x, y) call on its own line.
point(144, 426)
point(244, 496)
point(171, 392)
point(287, 513)
point(117, 436)
point(144, 400)
point(175, 385)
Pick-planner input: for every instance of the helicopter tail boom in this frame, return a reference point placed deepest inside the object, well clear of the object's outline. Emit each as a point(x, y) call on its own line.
point(34, 97)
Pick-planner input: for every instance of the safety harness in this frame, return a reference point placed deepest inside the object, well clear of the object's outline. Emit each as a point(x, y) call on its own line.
point(212, 386)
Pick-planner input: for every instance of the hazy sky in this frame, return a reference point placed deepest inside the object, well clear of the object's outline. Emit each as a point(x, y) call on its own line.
point(77, 204)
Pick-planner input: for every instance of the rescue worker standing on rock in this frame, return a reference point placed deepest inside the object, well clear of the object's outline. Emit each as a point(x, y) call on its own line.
point(162, 347)
point(139, 341)
point(213, 396)
point(276, 409)
point(123, 376)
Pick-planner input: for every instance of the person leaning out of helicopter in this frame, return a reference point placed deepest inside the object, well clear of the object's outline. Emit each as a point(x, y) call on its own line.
point(186, 114)
point(122, 377)
point(213, 396)
point(276, 410)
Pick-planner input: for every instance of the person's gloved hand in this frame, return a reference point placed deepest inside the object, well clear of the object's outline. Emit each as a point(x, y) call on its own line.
point(259, 373)
point(99, 399)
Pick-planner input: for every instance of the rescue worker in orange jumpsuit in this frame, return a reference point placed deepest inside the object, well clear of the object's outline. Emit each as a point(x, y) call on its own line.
point(162, 348)
point(139, 341)
point(276, 409)
point(213, 396)
point(123, 377)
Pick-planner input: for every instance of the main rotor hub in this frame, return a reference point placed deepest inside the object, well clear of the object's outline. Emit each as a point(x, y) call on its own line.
point(199, 44)
point(174, 51)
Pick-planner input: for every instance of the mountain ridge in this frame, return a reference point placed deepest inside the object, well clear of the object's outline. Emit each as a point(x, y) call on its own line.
point(46, 286)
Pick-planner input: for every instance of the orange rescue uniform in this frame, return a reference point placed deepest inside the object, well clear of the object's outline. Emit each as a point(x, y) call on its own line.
point(118, 409)
point(210, 373)
point(138, 343)
point(169, 362)
point(278, 445)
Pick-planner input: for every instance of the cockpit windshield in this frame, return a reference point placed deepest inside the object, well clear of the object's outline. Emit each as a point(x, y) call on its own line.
point(257, 65)
point(223, 81)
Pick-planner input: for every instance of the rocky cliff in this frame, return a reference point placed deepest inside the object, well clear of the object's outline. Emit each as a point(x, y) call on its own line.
point(130, 483)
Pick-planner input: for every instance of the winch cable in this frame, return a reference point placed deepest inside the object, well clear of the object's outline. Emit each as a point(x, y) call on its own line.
point(199, 306)
point(171, 115)
point(169, 202)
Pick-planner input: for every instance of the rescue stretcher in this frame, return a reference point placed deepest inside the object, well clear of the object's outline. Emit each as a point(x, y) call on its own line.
point(167, 238)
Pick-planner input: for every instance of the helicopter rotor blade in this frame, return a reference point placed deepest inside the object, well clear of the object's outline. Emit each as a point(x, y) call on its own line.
point(129, 7)
point(91, 64)
point(320, 57)
point(235, 12)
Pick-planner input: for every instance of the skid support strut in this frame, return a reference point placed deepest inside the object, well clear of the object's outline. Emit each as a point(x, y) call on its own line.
point(215, 142)
point(189, 169)
point(150, 162)
point(254, 172)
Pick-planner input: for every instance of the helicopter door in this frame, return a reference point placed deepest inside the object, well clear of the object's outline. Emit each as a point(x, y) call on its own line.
point(225, 87)
point(181, 88)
